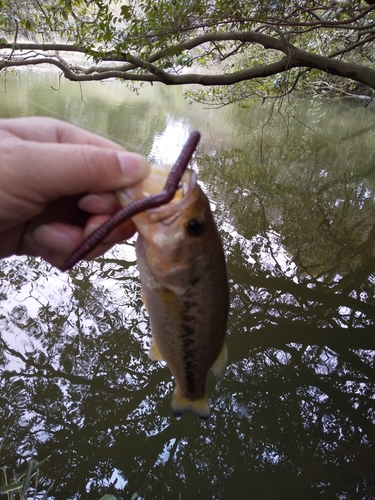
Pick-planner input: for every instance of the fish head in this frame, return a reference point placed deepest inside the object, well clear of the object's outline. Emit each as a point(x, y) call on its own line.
point(175, 238)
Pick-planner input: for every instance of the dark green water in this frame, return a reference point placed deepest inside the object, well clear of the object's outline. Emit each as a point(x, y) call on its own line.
point(293, 192)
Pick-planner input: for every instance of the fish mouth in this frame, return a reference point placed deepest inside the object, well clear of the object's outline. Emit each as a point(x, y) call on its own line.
point(154, 184)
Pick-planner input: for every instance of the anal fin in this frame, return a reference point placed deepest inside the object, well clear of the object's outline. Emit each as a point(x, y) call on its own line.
point(220, 364)
point(154, 354)
point(144, 300)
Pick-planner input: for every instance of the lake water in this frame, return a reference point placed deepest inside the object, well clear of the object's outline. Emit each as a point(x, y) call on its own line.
point(292, 189)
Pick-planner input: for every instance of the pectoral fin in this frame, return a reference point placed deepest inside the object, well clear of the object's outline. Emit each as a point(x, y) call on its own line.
point(219, 366)
point(154, 353)
point(181, 404)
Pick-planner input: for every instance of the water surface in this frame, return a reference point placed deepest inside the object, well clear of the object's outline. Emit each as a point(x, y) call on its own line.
point(292, 189)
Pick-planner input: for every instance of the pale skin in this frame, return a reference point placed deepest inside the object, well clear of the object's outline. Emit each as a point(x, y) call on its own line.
point(57, 185)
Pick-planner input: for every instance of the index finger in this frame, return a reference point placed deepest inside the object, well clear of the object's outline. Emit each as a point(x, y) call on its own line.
point(43, 129)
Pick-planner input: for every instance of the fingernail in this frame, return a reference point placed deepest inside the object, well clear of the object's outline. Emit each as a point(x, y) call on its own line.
point(90, 228)
point(97, 203)
point(134, 167)
point(53, 238)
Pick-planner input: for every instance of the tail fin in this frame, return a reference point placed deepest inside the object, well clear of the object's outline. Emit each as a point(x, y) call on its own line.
point(181, 404)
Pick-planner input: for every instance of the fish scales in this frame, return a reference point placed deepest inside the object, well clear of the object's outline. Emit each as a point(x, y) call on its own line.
point(185, 288)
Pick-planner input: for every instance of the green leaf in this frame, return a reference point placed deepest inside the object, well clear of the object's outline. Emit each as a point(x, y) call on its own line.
point(11, 487)
point(126, 12)
point(33, 465)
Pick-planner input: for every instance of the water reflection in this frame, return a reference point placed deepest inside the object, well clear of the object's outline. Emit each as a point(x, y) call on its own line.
point(294, 415)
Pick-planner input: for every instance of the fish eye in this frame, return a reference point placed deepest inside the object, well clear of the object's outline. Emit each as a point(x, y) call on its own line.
point(195, 227)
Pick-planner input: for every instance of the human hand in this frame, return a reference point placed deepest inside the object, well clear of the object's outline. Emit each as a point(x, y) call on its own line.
point(57, 185)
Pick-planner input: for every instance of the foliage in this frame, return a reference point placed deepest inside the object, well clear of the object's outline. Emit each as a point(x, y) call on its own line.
point(20, 487)
point(236, 49)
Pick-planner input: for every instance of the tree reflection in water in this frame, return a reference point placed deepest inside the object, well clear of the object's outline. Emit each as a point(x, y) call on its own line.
point(294, 416)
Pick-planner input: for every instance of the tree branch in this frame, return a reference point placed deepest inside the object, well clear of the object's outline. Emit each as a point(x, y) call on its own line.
point(142, 64)
point(353, 46)
point(46, 47)
point(294, 58)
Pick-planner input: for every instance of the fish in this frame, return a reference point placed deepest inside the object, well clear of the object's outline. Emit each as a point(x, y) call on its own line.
point(185, 287)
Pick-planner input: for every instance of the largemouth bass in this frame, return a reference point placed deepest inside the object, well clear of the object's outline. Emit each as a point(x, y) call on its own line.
point(185, 287)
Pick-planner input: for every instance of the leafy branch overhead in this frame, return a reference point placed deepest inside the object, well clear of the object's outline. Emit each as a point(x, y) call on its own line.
point(261, 47)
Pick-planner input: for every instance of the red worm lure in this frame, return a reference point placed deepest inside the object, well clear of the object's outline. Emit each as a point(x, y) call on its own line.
point(125, 213)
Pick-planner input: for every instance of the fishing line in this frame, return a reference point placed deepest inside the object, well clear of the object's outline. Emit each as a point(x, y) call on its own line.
point(50, 111)
point(26, 99)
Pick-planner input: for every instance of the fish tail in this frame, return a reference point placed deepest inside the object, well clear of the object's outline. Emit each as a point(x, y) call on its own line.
point(181, 405)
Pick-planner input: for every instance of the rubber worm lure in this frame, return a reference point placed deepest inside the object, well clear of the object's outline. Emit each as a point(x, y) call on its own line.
point(125, 213)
